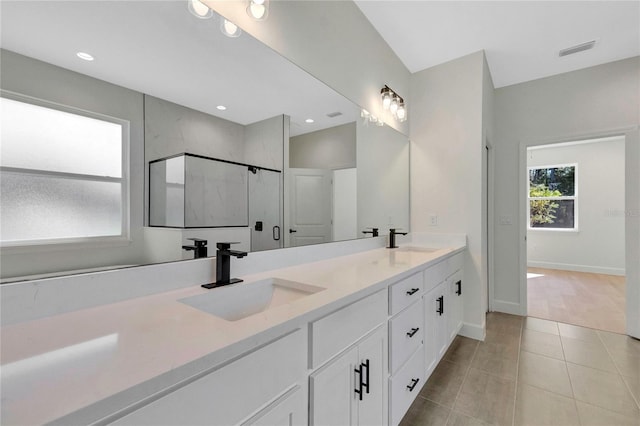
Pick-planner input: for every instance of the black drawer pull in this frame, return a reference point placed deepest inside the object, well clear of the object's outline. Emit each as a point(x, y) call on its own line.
point(459, 289)
point(440, 309)
point(413, 331)
point(413, 384)
point(366, 375)
point(359, 382)
point(412, 291)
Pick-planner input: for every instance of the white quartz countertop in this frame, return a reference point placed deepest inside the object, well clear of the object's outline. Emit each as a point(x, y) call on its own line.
point(100, 360)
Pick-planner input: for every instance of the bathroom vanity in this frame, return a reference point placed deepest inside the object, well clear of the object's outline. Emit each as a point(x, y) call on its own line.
point(346, 340)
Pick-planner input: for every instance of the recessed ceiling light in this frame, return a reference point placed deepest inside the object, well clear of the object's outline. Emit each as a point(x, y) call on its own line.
point(221, 107)
point(309, 120)
point(85, 56)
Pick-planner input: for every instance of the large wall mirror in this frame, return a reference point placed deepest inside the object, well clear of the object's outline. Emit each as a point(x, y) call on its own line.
point(225, 139)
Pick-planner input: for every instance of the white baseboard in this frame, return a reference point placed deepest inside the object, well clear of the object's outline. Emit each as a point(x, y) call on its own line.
point(473, 331)
point(576, 268)
point(508, 307)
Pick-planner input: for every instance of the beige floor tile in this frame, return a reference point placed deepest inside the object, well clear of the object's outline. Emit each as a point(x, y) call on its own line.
point(459, 419)
point(486, 397)
point(620, 342)
point(461, 350)
point(627, 363)
point(444, 383)
point(537, 407)
point(425, 413)
point(506, 337)
point(542, 344)
point(634, 386)
point(545, 373)
point(590, 415)
point(578, 333)
point(589, 354)
point(541, 325)
point(504, 323)
point(498, 359)
point(606, 390)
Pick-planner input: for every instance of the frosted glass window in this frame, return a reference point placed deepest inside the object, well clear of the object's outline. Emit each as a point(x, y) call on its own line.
point(42, 207)
point(61, 173)
point(40, 138)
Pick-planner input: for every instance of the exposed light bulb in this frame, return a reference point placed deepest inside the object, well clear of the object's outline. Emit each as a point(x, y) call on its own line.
point(401, 113)
point(393, 107)
point(258, 9)
point(199, 9)
point(230, 29)
point(386, 98)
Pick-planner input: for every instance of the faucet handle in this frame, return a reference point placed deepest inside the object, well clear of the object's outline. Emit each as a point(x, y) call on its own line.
point(225, 245)
point(198, 242)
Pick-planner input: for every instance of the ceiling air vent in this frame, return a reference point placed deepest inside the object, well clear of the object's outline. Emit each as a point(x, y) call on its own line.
point(334, 114)
point(577, 48)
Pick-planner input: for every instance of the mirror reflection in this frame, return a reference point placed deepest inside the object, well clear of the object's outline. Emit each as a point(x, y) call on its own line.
point(225, 139)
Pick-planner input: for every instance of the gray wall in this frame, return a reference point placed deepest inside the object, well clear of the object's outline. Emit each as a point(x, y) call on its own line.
point(598, 245)
point(48, 82)
point(332, 148)
point(334, 42)
point(598, 101)
point(446, 166)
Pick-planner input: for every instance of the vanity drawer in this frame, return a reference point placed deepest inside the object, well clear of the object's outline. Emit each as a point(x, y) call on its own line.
point(233, 392)
point(336, 331)
point(456, 263)
point(435, 274)
point(406, 334)
point(405, 292)
point(405, 386)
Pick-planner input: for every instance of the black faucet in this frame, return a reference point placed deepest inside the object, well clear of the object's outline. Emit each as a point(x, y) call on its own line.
point(199, 248)
point(392, 237)
point(223, 265)
point(373, 232)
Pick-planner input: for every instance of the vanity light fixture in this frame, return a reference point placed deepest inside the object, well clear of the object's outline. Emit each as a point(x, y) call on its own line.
point(85, 56)
point(394, 103)
point(199, 9)
point(258, 9)
point(309, 120)
point(221, 107)
point(229, 29)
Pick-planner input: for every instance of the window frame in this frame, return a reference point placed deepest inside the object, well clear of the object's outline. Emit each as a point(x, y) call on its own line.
point(47, 244)
point(574, 198)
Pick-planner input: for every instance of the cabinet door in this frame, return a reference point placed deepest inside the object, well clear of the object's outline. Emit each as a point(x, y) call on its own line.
point(435, 339)
point(332, 392)
point(290, 410)
point(372, 353)
point(454, 317)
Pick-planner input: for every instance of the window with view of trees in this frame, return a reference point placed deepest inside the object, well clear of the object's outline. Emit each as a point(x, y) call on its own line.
point(552, 197)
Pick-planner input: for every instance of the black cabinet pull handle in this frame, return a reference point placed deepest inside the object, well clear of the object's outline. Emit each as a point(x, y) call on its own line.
point(366, 375)
point(276, 233)
point(412, 291)
point(459, 290)
point(413, 331)
point(358, 390)
point(440, 309)
point(291, 231)
point(413, 384)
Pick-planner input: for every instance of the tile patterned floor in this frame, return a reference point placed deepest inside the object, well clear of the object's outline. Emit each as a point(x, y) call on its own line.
point(531, 371)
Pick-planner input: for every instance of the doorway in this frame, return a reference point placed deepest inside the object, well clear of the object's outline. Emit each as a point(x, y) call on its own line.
point(575, 232)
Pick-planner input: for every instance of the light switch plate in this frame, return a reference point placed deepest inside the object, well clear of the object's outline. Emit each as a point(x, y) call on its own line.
point(433, 220)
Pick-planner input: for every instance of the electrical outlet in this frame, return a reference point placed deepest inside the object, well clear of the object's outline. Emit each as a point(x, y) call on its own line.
point(506, 220)
point(433, 220)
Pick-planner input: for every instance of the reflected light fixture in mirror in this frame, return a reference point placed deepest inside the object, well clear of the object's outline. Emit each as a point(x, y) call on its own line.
point(393, 102)
point(199, 9)
point(258, 9)
point(229, 29)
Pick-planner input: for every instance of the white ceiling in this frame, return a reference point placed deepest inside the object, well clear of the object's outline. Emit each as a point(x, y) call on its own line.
point(159, 48)
point(521, 38)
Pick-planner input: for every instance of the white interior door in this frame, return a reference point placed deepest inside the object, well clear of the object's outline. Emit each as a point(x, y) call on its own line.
point(310, 206)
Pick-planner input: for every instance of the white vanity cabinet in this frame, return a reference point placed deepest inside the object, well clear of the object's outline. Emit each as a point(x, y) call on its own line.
point(288, 410)
point(455, 305)
point(256, 386)
point(350, 348)
point(435, 325)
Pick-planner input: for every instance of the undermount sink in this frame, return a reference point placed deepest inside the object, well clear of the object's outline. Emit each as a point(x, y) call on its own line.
point(238, 301)
point(418, 249)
